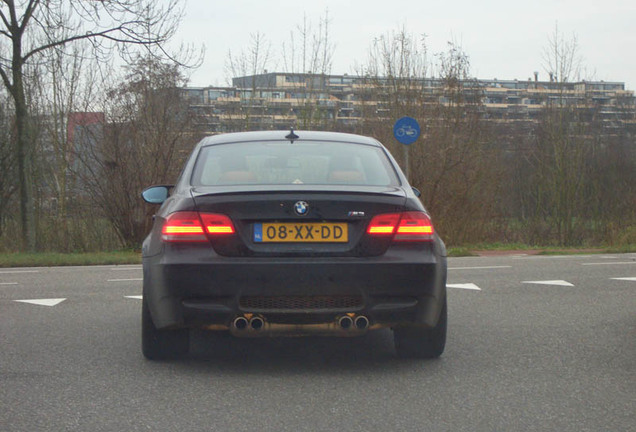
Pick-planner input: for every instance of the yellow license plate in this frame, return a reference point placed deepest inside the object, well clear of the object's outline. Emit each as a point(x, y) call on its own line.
point(301, 232)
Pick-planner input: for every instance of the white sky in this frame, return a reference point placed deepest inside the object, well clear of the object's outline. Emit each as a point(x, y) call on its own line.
point(503, 39)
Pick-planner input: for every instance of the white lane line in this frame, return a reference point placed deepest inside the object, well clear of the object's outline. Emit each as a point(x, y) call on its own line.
point(43, 302)
point(8, 283)
point(550, 282)
point(136, 297)
point(626, 279)
point(126, 269)
point(18, 271)
point(468, 286)
point(611, 263)
point(478, 268)
point(124, 280)
point(540, 257)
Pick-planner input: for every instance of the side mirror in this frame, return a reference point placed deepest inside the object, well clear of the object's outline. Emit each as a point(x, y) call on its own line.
point(156, 194)
point(416, 191)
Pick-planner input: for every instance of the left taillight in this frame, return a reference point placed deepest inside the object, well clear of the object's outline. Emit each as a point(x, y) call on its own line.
point(217, 224)
point(195, 227)
point(405, 226)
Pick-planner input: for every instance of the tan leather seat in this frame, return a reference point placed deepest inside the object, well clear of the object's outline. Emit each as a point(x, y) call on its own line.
point(349, 176)
point(230, 177)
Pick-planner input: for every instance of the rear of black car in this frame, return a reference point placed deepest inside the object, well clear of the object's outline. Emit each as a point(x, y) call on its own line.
point(265, 236)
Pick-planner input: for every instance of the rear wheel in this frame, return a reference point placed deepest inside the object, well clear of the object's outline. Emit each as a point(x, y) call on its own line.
point(421, 342)
point(161, 344)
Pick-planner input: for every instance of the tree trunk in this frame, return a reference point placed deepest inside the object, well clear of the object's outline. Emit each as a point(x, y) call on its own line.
point(24, 153)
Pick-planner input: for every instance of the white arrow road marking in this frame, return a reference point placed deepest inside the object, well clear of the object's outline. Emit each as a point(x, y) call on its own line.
point(550, 282)
point(468, 286)
point(43, 302)
point(626, 279)
point(124, 280)
point(134, 297)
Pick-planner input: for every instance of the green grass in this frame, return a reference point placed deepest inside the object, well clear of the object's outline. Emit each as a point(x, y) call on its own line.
point(572, 251)
point(472, 250)
point(52, 259)
point(629, 248)
point(502, 246)
point(459, 252)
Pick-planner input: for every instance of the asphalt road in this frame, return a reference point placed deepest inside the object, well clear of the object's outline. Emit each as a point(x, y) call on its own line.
point(521, 356)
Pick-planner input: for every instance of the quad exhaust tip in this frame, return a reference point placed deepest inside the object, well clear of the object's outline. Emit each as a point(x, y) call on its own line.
point(240, 323)
point(257, 323)
point(345, 322)
point(361, 322)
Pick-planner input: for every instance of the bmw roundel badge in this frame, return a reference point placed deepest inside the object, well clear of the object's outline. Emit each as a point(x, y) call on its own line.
point(301, 208)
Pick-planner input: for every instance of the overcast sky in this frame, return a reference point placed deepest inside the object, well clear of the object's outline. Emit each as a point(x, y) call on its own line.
point(503, 39)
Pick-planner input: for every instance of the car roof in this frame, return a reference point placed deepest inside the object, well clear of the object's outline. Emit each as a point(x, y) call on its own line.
point(281, 135)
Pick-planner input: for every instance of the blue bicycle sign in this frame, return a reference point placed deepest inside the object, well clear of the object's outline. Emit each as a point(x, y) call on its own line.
point(406, 130)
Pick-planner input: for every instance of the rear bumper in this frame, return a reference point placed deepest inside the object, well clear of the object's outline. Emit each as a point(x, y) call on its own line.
point(200, 289)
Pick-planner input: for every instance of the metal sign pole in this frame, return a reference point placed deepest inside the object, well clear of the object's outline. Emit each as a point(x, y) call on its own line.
point(407, 168)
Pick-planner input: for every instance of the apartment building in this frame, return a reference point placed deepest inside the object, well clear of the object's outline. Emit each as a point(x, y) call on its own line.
point(279, 100)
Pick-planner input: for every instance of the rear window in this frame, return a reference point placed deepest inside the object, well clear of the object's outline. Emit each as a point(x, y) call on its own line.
point(309, 163)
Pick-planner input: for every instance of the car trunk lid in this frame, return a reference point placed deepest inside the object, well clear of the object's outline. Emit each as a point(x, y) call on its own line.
point(275, 221)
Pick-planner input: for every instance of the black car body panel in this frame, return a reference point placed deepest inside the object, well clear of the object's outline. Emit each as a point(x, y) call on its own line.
point(210, 284)
point(191, 282)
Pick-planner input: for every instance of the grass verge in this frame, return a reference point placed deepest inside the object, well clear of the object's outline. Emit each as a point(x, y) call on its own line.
point(500, 248)
point(459, 252)
point(54, 259)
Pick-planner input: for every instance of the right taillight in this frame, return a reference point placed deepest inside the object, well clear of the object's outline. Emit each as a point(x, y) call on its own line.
point(405, 226)
point(414, 226)
point(195, 227)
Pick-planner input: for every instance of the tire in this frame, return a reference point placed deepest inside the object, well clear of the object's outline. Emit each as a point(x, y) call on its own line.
point(161, 344)
point(422, 342)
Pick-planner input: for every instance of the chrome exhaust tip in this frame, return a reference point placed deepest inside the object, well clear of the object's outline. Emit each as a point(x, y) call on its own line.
point(361, 322)
point(345, 322)
point(240, 323)
point(257, 323)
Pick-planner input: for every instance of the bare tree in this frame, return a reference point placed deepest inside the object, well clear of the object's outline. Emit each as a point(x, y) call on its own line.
point(398, 65)
point(561, 57)
point(251, 62)
point(33, 27)
point(310, 51)
point(456, 168)
point(394, 79)
point(450, 163)
point(145, 142)
point(8, 184)
point(66, 89)
point(307, 58)
point(563, 141)
point(247, 65)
